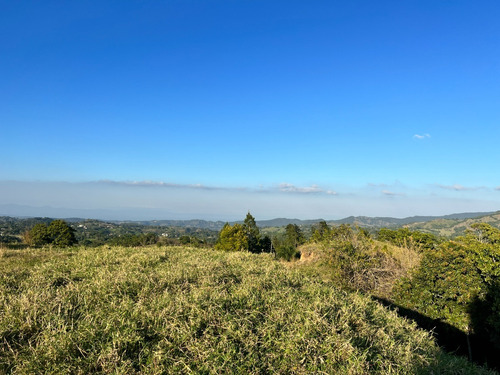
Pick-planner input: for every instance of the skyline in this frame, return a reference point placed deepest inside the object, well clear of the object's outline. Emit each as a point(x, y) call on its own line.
point(284, 109)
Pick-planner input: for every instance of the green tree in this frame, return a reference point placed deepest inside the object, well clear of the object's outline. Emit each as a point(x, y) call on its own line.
point(39, 235)
point(321, 232)
point(253, 234)
point(265, 244)
point(294, 235)
point(61, 234)
point(232, 238)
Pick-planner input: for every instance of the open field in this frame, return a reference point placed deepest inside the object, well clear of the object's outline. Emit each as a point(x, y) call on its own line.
point(181, 310)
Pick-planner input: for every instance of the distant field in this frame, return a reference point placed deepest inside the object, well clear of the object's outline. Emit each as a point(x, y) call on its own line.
point(180, 310)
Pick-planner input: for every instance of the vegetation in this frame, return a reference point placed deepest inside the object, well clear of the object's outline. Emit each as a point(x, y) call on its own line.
point(243, 237)
point(450, 287)
point(458, 283)
point(183, 310)
point(57, 233)
point(286, 244)
point(14, 232)
point(356, 261)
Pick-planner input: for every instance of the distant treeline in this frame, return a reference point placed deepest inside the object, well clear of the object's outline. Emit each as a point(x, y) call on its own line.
point(15, 231)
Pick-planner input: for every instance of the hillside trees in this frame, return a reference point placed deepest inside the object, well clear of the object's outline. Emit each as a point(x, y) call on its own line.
point(243, 237)
point(286, 245)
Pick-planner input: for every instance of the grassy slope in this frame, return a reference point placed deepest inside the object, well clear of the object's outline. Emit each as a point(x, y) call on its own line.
point(172, 310)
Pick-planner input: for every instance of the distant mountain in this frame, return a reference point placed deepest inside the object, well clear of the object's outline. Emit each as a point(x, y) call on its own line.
point(446, 225)
point(453, 226)
point(388, 222)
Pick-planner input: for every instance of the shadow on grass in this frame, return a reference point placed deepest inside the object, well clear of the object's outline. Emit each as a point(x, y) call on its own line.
point(14, 246)
point(476, 347)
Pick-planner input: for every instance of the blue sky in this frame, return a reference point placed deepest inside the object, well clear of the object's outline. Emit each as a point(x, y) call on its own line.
point(208, 109)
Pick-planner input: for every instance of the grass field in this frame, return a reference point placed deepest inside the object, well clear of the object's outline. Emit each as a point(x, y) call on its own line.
point(159, 310)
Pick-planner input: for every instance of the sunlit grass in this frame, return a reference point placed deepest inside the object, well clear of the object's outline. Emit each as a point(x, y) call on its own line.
point(180, 310)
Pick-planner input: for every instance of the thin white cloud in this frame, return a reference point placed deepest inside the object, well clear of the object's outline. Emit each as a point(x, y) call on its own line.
point(290, 188)
point(282, 188)
point(313, 189)
point(149, 183)
point(458, 187)
point(422, 136)
point(391, 193)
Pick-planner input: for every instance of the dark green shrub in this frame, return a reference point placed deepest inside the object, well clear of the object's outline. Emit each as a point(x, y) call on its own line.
point(61, 234)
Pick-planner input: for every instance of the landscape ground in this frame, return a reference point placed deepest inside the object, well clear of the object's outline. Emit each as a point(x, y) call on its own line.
point(158, 310)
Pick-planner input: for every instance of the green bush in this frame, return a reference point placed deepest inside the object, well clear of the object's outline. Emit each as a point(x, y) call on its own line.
point(458, 283)
point(58, 233)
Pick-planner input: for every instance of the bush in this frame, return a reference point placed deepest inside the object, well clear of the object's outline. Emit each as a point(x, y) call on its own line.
point(459, 284)
point(61, 234)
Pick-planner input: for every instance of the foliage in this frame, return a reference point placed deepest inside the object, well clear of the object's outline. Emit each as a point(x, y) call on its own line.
point(285, 246)
point(243, 237)
point(158, 310)
point(232, 238)
point(61, 234)
point(349, 256)
point(97, 233)
point(458, 283)
point(294, 235)
point(405, 237)
point(252, 233)
point(39, 235)
point(320, 232)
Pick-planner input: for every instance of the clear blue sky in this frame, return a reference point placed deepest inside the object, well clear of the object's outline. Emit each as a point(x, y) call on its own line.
point(307, 109)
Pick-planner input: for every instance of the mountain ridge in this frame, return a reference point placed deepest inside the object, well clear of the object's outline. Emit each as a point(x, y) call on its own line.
point(415, 222)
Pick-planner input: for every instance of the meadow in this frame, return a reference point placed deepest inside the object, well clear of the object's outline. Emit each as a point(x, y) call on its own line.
point(180, 310)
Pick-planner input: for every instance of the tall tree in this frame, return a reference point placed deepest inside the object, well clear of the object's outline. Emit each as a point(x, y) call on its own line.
point(294, 235)
point(253, 233)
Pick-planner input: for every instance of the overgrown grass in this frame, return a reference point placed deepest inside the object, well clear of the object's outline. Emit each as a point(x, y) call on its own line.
point(361, 263)
point(180, 310)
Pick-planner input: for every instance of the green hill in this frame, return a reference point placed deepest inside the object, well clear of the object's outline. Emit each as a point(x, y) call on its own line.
point(181, 311)
point(453, 227)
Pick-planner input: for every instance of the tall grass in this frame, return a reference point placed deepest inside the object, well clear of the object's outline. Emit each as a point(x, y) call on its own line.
point(181, 310)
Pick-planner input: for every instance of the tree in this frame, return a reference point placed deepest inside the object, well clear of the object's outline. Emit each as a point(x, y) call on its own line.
point(265, 245)
point(39, 235)
point(321, 232)
point(294, 235)
point(61, 234)
point(253, 233)
point(232, 238)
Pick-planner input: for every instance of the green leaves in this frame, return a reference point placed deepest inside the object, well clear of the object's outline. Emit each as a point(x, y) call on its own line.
point(232, 238)
point(454, 278)
point(58, 233)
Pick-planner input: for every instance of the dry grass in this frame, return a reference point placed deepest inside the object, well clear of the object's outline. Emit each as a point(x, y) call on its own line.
point(181, 311)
